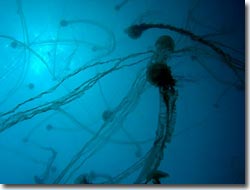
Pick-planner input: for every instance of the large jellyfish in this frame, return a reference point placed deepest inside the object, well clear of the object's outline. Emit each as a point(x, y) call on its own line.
point(92, 95)
point(237, 66)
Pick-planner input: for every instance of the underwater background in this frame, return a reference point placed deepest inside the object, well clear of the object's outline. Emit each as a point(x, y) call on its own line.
point(73, 112)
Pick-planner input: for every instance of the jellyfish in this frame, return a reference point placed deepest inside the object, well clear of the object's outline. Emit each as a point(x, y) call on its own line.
point(83, 179)
point(166, 122)
point(49, 127)
point(38, 180)
point(149, 163)
point(165, 43)
point(64, 23)
point(14, 44)
point(164, 48)
point(155, 176)
point(135, 31)
point(49, 167)
point(159, 75)
point(31, 86)
point(107, 115)
point(25, 140)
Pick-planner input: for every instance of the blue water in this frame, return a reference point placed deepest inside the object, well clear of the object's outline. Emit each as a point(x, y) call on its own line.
point(76, 106)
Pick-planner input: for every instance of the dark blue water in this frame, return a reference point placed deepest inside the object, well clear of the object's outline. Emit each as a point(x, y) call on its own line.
point(77, 106)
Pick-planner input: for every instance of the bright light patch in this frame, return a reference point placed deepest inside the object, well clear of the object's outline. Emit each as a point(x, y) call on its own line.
point(37, 67)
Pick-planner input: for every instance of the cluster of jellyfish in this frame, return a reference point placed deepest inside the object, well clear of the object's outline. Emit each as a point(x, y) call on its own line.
point(155, 73)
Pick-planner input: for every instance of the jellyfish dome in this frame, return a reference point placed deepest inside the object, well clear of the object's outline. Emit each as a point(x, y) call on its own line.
point(64, 23)
point(107, 115)
point(135, 31)
point(165, 43)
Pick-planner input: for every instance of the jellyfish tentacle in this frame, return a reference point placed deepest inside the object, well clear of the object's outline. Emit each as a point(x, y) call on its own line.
point(164, 133)
point(108, 129)
point(45, 175)
point(14, 118)
point(121, 4)
point(14, 44)
point(132, 139)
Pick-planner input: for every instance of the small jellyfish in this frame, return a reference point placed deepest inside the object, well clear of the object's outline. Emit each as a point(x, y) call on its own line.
point(25, 140)
point(38, 180)
point(49, 127)
point(64, 23)
point(135, 31)
point(13, 44)
point(155, 176)
point(107, 115)
point(96, 48)
point(83, 179)
point(159, 74)
point(31, 86)
point(165, 43)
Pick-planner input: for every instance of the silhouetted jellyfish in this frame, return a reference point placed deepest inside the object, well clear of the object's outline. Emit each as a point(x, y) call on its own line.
point(164, 48)
point(165, 43)
point(14, 44)
point(91, 178)
point(38, 180)
point(107, 115)
point(164, 131)
point(155, 177)
point(135, 31)
point(31, 86)
point(83, 179)
point(64, 23)
point(150, 162)
point(49, 167)
point(49, 127)
point(159, 74)
point(25, 140)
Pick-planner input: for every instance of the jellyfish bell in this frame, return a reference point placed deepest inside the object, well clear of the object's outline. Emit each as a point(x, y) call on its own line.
point(38, 180)
point(13, 44)
point(49, 127)
point(107, 115)
point(82, 179)
point(135, 31)
point(155, 176)
point(25, 140)
point(165, 43)
point(64, 23)
point(31, 86)
point(164, 48)
point(159, 74)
